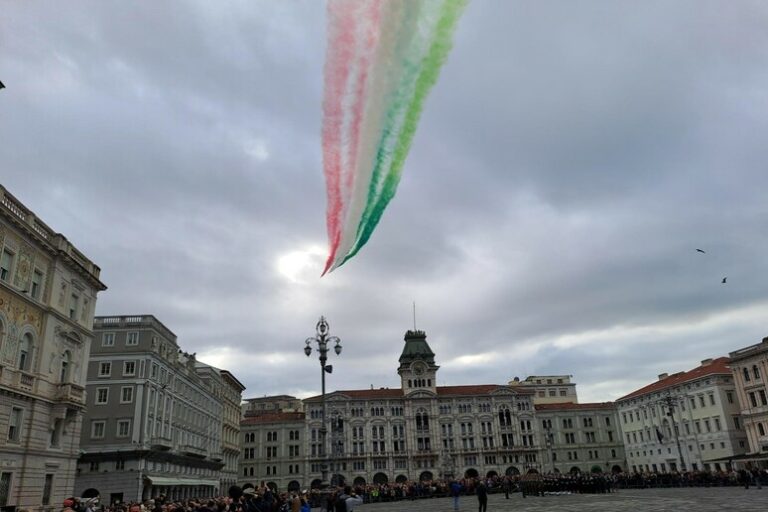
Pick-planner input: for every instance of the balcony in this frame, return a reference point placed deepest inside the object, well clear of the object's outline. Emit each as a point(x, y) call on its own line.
point(195, 451)
point(161, 443)
point(24, 381)
point(71, 393)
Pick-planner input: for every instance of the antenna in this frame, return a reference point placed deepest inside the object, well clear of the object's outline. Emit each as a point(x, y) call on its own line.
point(414, 315)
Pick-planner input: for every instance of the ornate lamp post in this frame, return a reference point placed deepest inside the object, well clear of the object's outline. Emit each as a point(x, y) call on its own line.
point(323, 340)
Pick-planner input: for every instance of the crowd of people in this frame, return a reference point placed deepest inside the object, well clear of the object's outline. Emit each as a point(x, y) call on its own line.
point(348, 498)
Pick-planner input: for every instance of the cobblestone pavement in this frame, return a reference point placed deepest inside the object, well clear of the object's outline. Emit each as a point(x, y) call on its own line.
point(654, 500)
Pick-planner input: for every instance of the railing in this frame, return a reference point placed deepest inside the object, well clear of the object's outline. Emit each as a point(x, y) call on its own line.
point(25, 380)
point(134, 320)
point(192, 449)
point(71, 393)
point(161, 441)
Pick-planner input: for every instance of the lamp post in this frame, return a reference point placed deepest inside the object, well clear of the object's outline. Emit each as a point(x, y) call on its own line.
point(550, 443)
point(669, 402)
point(323, 340)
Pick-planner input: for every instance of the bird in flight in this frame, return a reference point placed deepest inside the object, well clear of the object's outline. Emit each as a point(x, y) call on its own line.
point(701, 251)
point(724, 279)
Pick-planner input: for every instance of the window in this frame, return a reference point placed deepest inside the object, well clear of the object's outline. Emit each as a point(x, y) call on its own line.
point(5, 488)
point(711, 399)
point(102, 396)
point(108, 339)
point(123, 428)
point(37, 284)
point(132, 339)
point(756, 372)
point(73, 303)
point(763, 398)
point(126, 394)
point(761, 429)
point(105, 369)
point(64, 370)
point(6, 262)
point(55, 440)
point(14, 424)
point(729, 396)
point(129, 368)
point(47, 487)
point(97, 429)
point(746, 374)
point(25, 352)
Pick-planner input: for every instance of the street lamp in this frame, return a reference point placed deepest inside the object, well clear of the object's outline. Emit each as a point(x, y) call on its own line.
point(670, 403)
point(323, 339)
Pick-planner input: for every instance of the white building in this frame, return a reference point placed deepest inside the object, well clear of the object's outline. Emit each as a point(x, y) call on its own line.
point(685, 421)
point(47, 297)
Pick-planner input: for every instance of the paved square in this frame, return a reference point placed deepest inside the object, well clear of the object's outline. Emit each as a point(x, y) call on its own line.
point(689, 499)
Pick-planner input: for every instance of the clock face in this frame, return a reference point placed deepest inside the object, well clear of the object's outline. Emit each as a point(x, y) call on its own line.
point(418, 369)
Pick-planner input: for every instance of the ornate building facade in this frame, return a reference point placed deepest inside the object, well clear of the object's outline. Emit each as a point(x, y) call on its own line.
point(47, 298)
point(155, 418)
point(417, 431)
point(685, 421)
point(750, 373)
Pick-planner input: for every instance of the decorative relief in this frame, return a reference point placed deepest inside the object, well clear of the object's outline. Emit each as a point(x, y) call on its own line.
point(18, 315)
point(24, 268)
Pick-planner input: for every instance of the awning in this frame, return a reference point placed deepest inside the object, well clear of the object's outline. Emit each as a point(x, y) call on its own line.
point(744, 457)
point(164, 480)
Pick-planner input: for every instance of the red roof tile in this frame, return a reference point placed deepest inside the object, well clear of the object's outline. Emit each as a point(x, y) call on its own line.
point(273, 417)
point(373, 394)
point(721, 365)
point(571, 406)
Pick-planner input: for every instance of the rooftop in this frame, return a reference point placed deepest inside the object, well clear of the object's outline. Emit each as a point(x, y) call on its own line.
point(719, 366)
point(273, 417)
point(372, 394)
point(571, 406)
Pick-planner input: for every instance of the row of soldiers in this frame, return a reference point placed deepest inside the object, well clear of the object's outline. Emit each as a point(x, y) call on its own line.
point(536, 484)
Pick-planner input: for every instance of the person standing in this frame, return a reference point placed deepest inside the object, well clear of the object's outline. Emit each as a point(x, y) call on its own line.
point(482, 497)
point(455, 492)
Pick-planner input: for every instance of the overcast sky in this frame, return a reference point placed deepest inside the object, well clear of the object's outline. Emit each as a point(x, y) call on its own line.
point(569, 161)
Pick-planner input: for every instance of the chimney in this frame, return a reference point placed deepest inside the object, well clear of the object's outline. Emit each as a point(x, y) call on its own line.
point(705, 362)
point(663, 376)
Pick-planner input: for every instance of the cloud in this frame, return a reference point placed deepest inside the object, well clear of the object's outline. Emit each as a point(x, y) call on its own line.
point(569, 161)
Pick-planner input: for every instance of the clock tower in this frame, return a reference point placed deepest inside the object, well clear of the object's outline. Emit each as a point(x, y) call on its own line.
point(417, 370)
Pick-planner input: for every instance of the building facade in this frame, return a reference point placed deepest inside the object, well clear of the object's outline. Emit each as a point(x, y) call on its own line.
point(750, 368)
point(549, 389)
point(228, 391)
point(417, 431)
point(685, 421)
point(580, 438)
point(153, 425)
point(273, 450)
point(47, 298)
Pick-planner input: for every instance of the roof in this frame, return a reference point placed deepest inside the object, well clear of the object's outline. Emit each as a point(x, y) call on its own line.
point(373, 394)
point(570, 406)
point(718, 366)
point(273, 417)
point(416, 348)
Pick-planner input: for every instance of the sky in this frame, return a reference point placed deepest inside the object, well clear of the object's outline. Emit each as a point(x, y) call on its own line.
point(569, 162)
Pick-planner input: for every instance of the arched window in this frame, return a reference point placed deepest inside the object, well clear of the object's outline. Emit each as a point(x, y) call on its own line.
point(746, 374)
point(505, 416)
point(25, 352)
point(422, 420)
point(756, 372)
point(65, 363)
